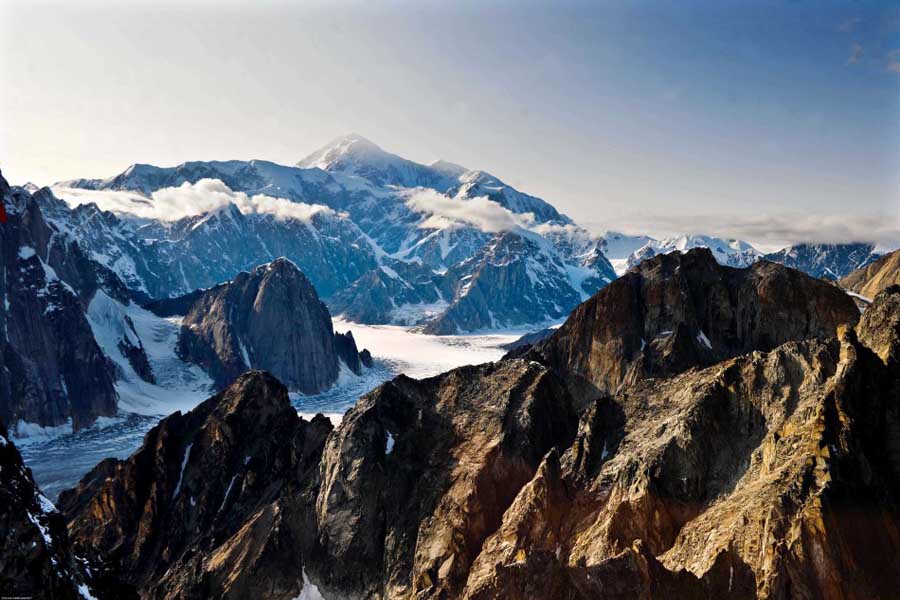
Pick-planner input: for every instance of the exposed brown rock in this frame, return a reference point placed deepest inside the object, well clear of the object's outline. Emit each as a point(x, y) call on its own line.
point(879, 327)
point(868, 281)
point(676, 311)
point(419, 473)
point(771, 474)
point(213, 503)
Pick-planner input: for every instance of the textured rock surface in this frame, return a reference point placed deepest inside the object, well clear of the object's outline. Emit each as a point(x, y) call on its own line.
point(879, 327)
point(53, 370)
point(216, 503)
point(271, 319)
point(770, 474)
point(877, 276)
point(676, 311)
point(36, 558)
point(419, 473)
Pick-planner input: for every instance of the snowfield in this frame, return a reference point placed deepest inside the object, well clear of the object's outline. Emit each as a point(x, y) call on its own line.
point(60, 458)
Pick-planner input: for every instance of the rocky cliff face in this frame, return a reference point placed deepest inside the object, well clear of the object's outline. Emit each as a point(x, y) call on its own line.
point(272, 319)
point(420, 472)
point(53, 370)
point(216, 503)
point(677, 311)
point(770, 473)
point(868, 281)
point(36, 558)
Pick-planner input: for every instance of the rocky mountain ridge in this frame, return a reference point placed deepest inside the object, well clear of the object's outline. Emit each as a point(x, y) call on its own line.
point(74, 344)
point(627, 251)
point(769, 473)
point(868, 281)
point(270, 318)
point(386, 215)
point(36, 557)
point(678, 311)
point(378, 214)
point(53, 371)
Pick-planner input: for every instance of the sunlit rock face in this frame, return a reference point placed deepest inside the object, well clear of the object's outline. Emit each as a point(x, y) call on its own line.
point(217, 502)
point(769, 471)
point(879, 275)
point(677, 311)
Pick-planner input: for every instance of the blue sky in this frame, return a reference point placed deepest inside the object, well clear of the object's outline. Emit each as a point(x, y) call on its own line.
point(773, 121)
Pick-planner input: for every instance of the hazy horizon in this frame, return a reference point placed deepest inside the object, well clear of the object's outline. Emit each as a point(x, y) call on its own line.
point(774, 122)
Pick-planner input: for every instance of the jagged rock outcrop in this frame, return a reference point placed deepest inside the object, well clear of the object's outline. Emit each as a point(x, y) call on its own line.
point(53, 370)
point(774, 473)
point(270, 319)
point(36, 558)
point(132, 348)
point(345, 348)
point(771, 475)
point(419, 473)
point(676, 311)
point(217, 502)
point(881, 274)
point(879, 328)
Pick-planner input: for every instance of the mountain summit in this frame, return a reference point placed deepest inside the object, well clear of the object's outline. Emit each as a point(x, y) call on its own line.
point(355, 155)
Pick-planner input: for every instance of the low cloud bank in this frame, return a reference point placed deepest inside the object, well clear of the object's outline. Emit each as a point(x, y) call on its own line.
point(482, 213)
point(190, 199)
point(769, 232)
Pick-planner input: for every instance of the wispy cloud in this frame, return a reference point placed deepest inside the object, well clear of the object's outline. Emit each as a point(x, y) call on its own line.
point(856, 54)
point(773, 231)
point(893, 61)
point(480, 212)
point(190, 199)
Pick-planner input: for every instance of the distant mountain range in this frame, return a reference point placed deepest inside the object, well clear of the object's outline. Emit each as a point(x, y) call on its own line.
point(828, 261)
point(76, 345)
point(382, 239)
point(626, 251)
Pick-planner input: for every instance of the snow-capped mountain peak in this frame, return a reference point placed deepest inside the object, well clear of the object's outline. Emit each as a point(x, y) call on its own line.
point(347, 148)
point(831, 261)
point(448, 168)
point(720, 247)
point(625, 251)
